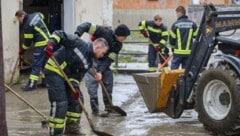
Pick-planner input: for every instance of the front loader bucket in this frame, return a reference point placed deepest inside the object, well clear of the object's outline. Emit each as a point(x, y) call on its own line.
point(155, 88)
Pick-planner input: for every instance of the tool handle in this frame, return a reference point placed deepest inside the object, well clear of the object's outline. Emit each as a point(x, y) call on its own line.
point(103, 87)
point(72, 88)
point(25, 101)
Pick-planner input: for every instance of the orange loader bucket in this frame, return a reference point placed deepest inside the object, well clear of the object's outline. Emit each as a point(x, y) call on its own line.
point(155, 88)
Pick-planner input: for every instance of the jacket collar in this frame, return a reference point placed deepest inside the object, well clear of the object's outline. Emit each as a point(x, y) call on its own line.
point(25, 18)
point(183, 17)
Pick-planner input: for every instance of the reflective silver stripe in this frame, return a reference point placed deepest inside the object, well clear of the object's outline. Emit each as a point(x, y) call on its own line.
point(35, 20)
point(53, 115)
point(80, 55)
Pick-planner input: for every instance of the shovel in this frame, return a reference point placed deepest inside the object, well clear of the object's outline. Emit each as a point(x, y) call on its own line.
point(115, 108)
point(99, 133)
point(165, 62)
point(44, 121)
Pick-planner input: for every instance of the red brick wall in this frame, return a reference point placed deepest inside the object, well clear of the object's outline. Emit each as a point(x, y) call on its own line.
point(159, 4)
point(148, 4)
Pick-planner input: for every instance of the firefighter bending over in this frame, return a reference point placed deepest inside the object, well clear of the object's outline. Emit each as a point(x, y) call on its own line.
point(75, 58)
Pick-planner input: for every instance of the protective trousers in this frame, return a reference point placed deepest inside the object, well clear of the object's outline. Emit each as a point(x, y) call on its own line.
point(92, 86)
point(179, 60)
point(63, 107)
point(152, 57)
point(39, 60)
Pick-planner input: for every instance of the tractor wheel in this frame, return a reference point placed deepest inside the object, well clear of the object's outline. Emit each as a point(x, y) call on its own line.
point(218, 99)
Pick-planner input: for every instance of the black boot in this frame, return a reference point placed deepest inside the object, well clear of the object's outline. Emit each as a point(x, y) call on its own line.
point(43, 83)
point(73, 128)
point(30, 86)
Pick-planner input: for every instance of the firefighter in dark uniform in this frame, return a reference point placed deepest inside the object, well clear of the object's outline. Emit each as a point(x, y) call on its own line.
point(157, 33)
point(114, 39)
point(75, 58)
point(181, 38)
point(34, 30)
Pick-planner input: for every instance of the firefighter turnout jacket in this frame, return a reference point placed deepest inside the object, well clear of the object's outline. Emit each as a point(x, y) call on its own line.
point(157, 34)
point(181, 36)
point(106, 33)
point(73, 55)
point(34, 30)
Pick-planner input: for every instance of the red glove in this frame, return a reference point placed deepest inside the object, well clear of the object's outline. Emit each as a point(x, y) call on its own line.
point(49, 50)
point(158, 48)
point(21, 51)
point(75, 95)
point(145, 34)
point(93, 38)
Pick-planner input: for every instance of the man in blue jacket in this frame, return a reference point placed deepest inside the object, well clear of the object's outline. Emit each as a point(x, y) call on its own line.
point(75, 58)
point(181, 38)
point(114, 39)
point(34, 30)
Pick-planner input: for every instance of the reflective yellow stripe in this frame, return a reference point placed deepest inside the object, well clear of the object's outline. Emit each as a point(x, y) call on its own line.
point(57, 38)
point(28, 36)
point(42, 15)
point(165, 33)
point(189, 39)
point(73, 114)
point(172, 34)
point(143, 25)
point(92, 29)
point(166, 69)
point(56, 120)
point(179, 39)
point(183, 52)
point(73, 119)
point(42, 43)
point(54, 69)
point(163, 42)
point(38, 29)
point(196, 32)
point(45, 27)
point(51, 62)
point(24, 47)
point(33, 77)
point(53, 125)
point(112, 55)
point(154, 30)
point(74, 80)
point(171, 46)
point(151, 69)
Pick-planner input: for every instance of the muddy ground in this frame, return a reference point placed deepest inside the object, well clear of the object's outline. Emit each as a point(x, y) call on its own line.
point(23, 121)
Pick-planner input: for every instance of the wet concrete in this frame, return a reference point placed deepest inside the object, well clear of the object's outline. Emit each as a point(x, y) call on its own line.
point(23, 121)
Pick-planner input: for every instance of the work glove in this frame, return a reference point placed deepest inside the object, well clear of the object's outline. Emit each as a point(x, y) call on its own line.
point(145, 34)
point(158, 48)
point(93, 38)
point(49, 50)
point(76, 95)
point(21, 51)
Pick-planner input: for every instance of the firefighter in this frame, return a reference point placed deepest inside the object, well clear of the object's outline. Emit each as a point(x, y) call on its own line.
point(114, 39)
point(34, 30)
point(75, 58)
point(157, 33)
point(181, 38)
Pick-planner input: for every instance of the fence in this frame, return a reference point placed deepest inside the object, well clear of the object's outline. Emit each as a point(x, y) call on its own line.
point(135, 37)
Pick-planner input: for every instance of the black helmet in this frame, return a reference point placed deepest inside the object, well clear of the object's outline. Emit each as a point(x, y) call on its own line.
point(122, 30)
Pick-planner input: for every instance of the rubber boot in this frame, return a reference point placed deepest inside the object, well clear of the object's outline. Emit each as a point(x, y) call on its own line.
point(43, 83)
point(73, 128)
point(30, 86)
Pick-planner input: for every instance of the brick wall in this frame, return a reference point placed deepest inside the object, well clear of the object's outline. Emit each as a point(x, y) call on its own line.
point(148, 4)
point(160, 4)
